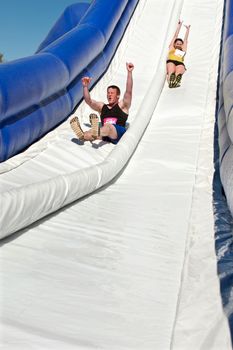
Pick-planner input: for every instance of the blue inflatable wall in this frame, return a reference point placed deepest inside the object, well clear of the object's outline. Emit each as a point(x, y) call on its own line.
point(223, 181)
point(69, 19)
point(39, 92)
point(225, 113)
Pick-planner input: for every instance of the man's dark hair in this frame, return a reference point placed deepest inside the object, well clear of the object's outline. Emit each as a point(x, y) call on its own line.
point(116, 88)
point(178, 39)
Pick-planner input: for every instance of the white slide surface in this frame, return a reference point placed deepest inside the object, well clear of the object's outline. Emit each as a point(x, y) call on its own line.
point(132, 265)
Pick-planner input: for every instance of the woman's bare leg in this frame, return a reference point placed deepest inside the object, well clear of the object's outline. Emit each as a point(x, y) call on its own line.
point(180, 69)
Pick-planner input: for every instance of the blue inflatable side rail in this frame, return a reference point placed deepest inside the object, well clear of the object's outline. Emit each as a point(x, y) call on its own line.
point(223, 200)
point(67, 21)
point(225, 111)
point(38, 92)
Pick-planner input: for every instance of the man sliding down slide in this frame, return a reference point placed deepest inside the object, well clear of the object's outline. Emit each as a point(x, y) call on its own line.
point(113, 115)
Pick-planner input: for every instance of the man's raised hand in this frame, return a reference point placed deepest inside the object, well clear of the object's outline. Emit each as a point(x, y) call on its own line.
point(86, 81)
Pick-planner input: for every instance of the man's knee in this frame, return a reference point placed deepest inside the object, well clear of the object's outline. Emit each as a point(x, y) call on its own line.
point(108, 130)
point(88, 136)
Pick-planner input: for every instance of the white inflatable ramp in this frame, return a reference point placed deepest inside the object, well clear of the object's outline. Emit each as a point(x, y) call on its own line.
point(128, 260)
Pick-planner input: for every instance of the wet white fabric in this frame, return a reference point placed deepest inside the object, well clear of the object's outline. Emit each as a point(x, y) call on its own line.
point(131, 266)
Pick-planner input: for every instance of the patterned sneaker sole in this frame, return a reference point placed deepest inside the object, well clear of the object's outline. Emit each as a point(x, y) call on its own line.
point(94, 120)
point(75, 125)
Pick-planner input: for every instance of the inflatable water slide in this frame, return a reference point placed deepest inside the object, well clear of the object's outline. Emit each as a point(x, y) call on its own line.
point(125, 246)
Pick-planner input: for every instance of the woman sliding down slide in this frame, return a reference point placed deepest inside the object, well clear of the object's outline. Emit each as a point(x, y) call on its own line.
point(175, 60)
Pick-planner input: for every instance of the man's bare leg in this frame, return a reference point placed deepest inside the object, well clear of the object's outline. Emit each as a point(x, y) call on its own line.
point(108, 130)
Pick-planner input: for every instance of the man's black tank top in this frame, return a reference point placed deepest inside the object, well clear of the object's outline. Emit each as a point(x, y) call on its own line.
point(113, 115)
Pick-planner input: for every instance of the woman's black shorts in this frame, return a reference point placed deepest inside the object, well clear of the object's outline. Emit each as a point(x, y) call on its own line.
point(176, 63)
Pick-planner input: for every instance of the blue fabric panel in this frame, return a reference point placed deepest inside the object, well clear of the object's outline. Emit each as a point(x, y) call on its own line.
point(51, 79)
point(224, 140)
point(228, 28)
point(223, 150)
point(26, 82)
point(224, 247)
point(30, 125)
point(228, 96)
point(228, 61)
point(103, 13)
point(226, 71)
point(67, 21)
point(93, 32)
point(77, 48)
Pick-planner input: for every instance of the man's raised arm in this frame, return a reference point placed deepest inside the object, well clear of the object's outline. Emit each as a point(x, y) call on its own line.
point(97, 106)
point(127, 98)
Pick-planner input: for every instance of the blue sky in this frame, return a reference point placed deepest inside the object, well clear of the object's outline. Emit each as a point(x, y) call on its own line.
point(25, 24)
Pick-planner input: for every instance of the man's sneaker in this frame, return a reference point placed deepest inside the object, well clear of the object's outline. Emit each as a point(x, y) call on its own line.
point(75, 125)
point(94, 120)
